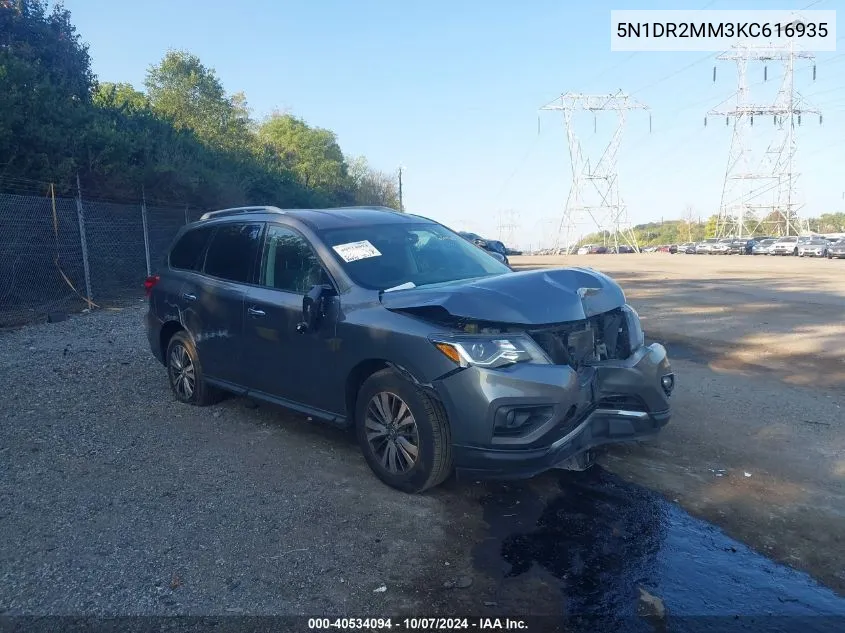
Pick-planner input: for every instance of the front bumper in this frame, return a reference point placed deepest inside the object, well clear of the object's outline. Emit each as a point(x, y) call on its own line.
point(615, 401)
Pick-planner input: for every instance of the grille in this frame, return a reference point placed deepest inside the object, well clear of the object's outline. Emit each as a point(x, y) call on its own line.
point(579, 343)
point(626, 402)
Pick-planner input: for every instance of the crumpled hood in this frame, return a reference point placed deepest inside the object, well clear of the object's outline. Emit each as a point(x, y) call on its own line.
point(531, 297)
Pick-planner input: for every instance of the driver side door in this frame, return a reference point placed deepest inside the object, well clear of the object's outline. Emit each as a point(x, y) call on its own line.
point(279, 360)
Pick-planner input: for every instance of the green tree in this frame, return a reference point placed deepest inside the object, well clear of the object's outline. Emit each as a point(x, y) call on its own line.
point(185, 139)
point(313, 154)
point(45, 90)
point(122, 96)
point(191, 96)
point(373, 187)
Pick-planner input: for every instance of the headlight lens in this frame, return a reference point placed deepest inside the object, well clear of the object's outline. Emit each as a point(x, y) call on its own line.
point(490, 351)
point(636, 336)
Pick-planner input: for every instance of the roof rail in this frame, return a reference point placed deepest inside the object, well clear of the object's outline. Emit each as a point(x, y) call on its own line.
point(237, 210)
point(369, 206)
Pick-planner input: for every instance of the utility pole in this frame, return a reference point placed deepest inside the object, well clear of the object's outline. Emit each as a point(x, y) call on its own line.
point(607, 210)
point(774, 173)
point(401, 207)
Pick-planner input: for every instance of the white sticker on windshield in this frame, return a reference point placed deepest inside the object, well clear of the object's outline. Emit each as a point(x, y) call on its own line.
point(353, 251)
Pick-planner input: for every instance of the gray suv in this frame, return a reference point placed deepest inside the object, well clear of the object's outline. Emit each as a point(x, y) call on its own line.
point(441, 357)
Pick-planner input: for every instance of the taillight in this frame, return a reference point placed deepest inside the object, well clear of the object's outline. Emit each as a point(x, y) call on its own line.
point(149, 283)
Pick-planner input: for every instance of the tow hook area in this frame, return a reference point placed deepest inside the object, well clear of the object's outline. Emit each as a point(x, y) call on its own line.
point(579, 462)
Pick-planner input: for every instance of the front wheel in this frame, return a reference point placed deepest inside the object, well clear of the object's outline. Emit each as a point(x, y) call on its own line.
point(403, 433)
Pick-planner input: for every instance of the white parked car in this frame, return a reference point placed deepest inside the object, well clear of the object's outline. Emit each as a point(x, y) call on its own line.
point(785, 246)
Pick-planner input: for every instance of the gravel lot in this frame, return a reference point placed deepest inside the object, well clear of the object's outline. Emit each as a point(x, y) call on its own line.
point(114, 499)
point(117, 499)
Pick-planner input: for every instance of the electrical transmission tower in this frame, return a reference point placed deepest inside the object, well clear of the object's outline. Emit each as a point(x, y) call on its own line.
point(601, 201)
point(764, 193)
point(508, 227)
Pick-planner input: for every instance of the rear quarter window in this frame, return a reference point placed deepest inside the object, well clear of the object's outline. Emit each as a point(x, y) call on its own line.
point(186, 254)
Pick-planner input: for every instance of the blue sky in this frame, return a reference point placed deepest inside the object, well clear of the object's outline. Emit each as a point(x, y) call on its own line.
point(451, 91)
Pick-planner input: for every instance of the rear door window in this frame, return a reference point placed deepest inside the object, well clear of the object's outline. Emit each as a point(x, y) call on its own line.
point(233, 251)
point(187, 252)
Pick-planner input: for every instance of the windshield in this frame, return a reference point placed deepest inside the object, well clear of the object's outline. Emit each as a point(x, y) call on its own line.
point(384, 256)
point(767, 242)
point(788, 239)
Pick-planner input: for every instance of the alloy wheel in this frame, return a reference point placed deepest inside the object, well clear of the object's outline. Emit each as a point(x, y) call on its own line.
point(182, 373)
point(392, 432)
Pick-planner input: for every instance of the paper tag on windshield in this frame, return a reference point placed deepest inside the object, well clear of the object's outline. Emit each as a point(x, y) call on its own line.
point(353, 251)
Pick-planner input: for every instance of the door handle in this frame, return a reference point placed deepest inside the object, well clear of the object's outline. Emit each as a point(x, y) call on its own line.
point(255, 312)
point(189, 297)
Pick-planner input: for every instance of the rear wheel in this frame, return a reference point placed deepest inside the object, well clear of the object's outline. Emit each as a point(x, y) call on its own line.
point(185, 374)
point(403, 433)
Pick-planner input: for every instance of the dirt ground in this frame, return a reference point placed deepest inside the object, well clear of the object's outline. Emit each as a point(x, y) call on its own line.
point(757, 442)
point(115, 499)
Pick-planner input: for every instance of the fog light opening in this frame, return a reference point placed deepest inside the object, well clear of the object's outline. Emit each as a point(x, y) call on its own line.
point(668, 383)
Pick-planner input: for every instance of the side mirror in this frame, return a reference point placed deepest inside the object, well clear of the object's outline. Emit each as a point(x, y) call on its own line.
point(480, 243)
point(312, 309)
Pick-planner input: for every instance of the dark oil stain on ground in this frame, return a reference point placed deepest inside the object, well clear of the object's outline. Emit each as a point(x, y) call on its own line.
point(605, 542)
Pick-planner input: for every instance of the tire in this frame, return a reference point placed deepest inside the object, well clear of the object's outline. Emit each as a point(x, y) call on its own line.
point(433, 437)
point(181, 348)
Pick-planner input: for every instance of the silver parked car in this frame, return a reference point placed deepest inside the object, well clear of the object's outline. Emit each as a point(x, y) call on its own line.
point(722, 247)
point(706, 245)
point(763, 247)
point(815, 247)
point(836, 249)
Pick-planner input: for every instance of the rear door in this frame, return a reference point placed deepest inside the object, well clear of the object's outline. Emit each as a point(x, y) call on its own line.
point(214, 299)
point(184, 263)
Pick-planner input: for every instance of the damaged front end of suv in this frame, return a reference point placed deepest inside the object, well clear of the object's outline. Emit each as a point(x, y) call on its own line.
point(548, 365)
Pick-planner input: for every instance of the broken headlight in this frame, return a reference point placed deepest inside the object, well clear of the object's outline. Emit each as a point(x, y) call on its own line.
point(490, 351)
point(636, 336)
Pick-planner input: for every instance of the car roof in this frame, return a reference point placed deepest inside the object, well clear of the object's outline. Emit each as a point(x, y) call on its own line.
point(320, 219)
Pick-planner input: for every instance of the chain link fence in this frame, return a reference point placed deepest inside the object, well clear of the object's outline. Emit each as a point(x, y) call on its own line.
point(61, 255)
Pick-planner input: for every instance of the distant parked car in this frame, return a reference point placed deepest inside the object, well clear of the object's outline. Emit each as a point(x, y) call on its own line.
point(741, 246)
point(785, 246)
point(491, 246)
point(815, 247)
point(687, 248)
point(592, 249)
point(722, 247)
point(763, 246)
point(705, 246)
point(837, 250)
point(622, 249)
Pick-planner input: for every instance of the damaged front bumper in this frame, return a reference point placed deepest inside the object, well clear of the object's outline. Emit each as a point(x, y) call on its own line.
point(522, 420)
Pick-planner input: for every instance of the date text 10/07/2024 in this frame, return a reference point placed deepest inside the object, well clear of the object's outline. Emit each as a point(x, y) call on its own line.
point(418, 624)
